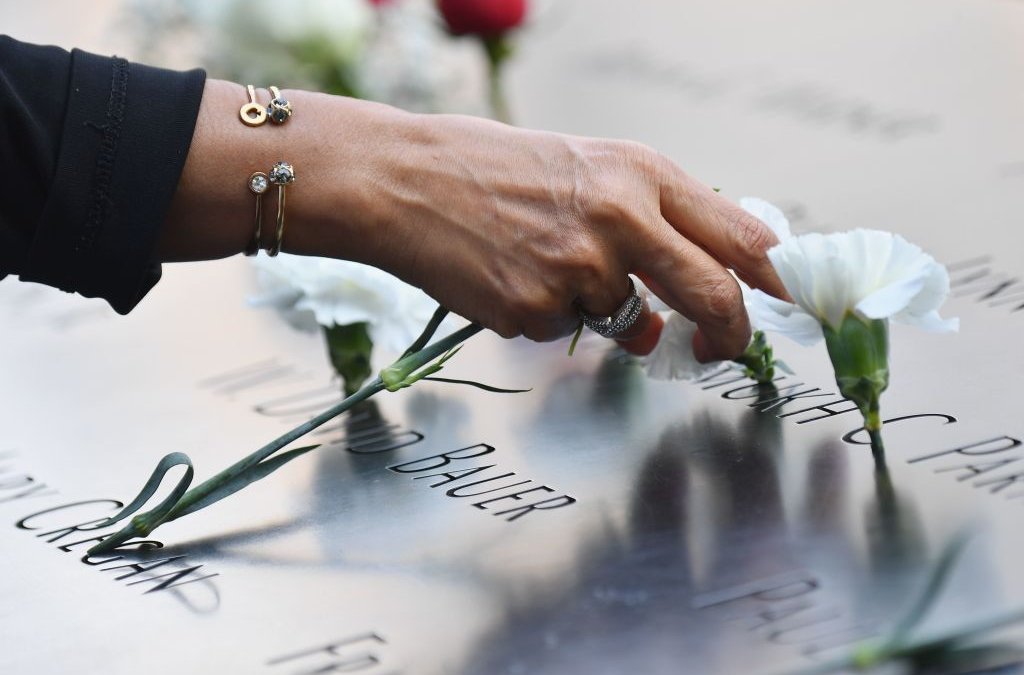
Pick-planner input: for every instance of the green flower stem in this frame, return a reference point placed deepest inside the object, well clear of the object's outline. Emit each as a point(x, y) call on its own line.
point(258, 464)
point(859, 350)
point(206, 493)
point(211, 485)
point(960, 635)
point(877, 445)
point(873, 656)
point(937, 579)
point(575, 338)
point(428, 332)
point(898, 644)
point(498, 50)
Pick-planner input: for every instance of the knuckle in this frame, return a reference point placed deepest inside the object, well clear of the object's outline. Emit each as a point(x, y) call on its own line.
point(644, 165)
point(723, 301)
point(588, 268)
point(616, 216)
point(532, 306)
point(615, 172)
point(641, 157)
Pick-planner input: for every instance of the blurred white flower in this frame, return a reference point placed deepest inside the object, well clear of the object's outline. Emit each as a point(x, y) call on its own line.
point(867, 273)
point(413, 63)
point(311, 291)
point(342, 24)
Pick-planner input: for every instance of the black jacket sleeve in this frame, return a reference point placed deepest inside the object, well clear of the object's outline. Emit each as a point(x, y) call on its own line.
point(91, 149)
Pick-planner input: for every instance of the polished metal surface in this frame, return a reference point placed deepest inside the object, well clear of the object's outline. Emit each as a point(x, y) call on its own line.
point(677, 528)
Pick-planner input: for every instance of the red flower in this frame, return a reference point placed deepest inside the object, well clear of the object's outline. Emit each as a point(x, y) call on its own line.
point(487, 18)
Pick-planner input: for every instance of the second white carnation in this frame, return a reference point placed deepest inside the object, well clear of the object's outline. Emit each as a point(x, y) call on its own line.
point(326, 292)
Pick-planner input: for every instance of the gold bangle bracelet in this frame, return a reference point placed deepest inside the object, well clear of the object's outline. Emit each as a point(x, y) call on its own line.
point(282, 175)
point(252, 113)
point(258, 184)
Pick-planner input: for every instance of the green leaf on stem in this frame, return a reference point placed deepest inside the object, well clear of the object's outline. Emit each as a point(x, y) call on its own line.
point(478, 385)
point(933, 653)
point(243, 479)
point(167, 463)
point(936, 581)
point(408, 370)
point(428, 332)
point(257, 465)
point(143, 524)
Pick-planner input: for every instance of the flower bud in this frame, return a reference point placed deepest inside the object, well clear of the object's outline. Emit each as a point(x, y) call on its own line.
point(859, 349)
point(486, 18)
point(758, 360)
point(350, 348)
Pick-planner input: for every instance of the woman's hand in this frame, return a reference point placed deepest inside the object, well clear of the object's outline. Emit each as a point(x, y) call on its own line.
point(515, 229)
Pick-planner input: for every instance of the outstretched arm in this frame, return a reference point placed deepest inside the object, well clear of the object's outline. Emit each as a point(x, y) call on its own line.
point(512, 228)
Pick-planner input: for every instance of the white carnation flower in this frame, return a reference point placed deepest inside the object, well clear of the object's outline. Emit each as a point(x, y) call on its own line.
point(327, 292)
point(867, 273)
point(672, 358)
point(846, 286)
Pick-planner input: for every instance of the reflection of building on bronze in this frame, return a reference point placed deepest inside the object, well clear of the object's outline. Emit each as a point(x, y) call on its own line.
point(712, 551)
point(508, 503)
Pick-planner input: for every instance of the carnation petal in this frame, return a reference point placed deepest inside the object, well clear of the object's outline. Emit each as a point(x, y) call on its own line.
point(814, 273)
point(890, 300)
point(672, 358)
point(922, 310)
point(768, 313)
point(340, 292)
point(931, 322)
point(876, 274)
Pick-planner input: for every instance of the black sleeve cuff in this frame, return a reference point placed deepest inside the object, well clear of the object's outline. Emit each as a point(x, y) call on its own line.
point(127, 131)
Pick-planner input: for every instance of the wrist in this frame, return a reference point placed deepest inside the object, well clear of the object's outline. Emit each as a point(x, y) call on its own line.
point(343, 151)
point(348, 157)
